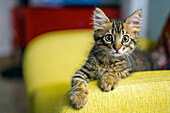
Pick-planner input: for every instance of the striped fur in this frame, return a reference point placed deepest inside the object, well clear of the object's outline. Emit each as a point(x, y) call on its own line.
point(112, 57)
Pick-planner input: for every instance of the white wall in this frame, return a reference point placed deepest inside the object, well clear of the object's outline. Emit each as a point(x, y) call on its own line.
point(130, 6)
point(158, 13)
point(155, 13)
point(6, 30)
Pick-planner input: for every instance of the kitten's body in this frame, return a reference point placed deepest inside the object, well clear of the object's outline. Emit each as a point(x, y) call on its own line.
point(114, 56)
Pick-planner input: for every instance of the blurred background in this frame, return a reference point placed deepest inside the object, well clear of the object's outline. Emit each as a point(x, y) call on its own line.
point(23, 20)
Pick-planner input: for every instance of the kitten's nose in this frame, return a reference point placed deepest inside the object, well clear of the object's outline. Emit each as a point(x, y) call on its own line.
point(117, 49)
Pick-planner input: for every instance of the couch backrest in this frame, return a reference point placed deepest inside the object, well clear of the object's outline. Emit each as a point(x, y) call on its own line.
point(54, 57)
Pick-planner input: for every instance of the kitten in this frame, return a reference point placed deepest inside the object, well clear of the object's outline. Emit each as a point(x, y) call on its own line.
point(114, 55)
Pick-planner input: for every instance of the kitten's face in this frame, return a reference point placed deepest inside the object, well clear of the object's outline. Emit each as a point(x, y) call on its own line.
point(114, 36)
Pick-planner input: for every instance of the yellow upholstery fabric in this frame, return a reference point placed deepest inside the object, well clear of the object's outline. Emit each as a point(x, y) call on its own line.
point(44, 99)
point(142, 92)
point(49, 63)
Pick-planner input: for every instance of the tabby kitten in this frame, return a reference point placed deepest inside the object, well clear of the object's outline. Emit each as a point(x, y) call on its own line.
point(114, 55)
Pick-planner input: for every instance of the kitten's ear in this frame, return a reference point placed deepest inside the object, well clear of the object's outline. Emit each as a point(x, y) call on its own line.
point(99, 19)
point(134, 21)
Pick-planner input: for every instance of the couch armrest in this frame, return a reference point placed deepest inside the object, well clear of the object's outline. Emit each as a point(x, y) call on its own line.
point(141, 92)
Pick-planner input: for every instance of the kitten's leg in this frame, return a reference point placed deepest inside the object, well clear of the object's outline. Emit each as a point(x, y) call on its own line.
point(109, 80)
point(79, 92)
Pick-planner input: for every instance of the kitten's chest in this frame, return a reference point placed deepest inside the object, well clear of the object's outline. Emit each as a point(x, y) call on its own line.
point(118, 63)
point(113, 65)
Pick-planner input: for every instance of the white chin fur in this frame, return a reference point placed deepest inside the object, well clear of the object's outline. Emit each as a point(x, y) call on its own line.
point(117, 54)
point(113, 53)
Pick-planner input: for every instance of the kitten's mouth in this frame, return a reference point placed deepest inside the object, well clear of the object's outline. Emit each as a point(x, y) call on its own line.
point(116, 53)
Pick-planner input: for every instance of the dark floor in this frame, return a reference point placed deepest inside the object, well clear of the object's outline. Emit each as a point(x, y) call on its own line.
point(12, 90)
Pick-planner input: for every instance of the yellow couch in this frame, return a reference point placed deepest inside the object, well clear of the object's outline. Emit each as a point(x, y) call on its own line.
point(52, 58)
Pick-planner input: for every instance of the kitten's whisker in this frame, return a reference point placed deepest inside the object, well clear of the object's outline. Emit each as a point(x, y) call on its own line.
point(97, 55)
point(133, 60)
point(96, 52)
point(127, 57)
point(94, 56)
point(138, 60)
point(101, 56)
point(105, 59)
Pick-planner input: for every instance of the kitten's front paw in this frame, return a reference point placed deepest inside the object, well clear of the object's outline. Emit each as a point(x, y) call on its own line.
point(79, 98)
point(108, 83)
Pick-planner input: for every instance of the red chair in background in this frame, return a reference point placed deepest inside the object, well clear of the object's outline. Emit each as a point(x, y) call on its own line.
point(30, 22)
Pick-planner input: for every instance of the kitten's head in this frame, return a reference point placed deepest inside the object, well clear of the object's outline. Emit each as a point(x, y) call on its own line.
point(116, 36)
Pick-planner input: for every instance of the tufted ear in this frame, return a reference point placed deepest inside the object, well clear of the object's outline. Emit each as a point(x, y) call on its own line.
point(99, 19)
point(134, 21)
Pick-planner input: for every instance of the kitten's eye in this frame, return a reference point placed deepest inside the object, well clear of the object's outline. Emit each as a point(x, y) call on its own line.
point(125, 38)
point(108, 38)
